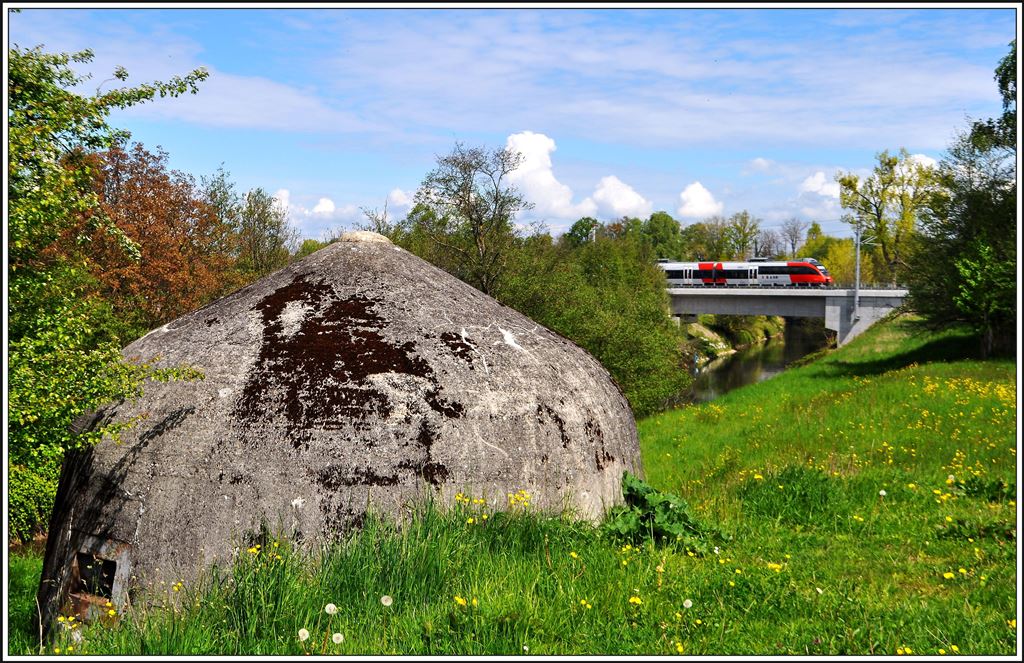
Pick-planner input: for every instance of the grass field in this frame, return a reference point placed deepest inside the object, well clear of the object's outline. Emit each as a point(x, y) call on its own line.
point(861, 504)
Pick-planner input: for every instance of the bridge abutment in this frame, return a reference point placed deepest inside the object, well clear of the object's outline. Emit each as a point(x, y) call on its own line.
point(836, 306)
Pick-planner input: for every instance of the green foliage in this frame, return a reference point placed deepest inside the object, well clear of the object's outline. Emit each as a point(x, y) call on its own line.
point(608, 297)
point(265, 237)
point(963, 266)
point(887, 205)
point(650, 514)
point(61, 361)
point(806, 495)
point(30, 494)
point(468, 210)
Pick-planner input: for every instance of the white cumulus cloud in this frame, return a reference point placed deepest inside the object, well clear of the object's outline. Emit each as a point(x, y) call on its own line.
point(819, 184)
point(324, 206)
point(696, 202)
point(535, 177)
point(762, 164)
point(399, 198)
point(615, 198)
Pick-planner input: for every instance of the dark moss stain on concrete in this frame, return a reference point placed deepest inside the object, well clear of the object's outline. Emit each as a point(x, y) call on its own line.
point(459, 347)
point(317, 375)
point(543, 411)
point(595, 434)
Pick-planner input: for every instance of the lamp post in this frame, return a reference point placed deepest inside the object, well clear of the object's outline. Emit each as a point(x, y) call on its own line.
point(856, 271)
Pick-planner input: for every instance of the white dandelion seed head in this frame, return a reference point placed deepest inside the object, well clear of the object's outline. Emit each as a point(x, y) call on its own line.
point(687, 604)
point(331, 609)
point(882, 492)
point(337, 638)
point(386, 600)
point(303, 635)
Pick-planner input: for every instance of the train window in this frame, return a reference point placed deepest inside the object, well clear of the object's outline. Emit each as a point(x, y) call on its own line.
point(674, 273)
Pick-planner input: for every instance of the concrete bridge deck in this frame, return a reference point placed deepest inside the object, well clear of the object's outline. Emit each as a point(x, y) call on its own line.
point(836, 305)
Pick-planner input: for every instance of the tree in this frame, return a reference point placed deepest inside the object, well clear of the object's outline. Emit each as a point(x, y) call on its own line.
point(768, 244)
point(62, 359)
point(473, 212)
point(1001, 132)
point(581, 232)
point(888, 203)
point(964, 259)
point(184, 259)
point(265, 237)
point(220, 195)
point(793, 230)
point(743, 230)
point(664, 234)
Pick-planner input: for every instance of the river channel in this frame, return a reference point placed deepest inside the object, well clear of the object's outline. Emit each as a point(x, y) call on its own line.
point(754, 363)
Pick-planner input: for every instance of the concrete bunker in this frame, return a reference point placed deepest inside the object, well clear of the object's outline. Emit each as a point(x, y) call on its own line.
point(360, 377)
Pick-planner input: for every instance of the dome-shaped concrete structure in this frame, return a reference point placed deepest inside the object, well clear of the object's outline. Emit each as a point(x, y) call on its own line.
point(360, 376)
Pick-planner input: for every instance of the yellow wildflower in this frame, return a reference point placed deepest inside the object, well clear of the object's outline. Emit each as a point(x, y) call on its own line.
point(461, 601)
point(635, 600)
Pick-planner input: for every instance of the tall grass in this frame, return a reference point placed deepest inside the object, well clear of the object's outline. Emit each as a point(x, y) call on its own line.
point(867, 503)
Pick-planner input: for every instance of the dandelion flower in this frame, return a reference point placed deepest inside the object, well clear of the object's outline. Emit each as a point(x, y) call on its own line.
point(303, 635)
point(687, 604)
point(574, 555)
point(635, 600)
point(337, 638)
point(942, 652)
point(461, 601)
point(386, 600)
point(111, 612)
point(948, 575)
point(331, 609)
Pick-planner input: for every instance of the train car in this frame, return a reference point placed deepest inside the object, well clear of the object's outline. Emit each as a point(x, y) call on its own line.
point(804, 272)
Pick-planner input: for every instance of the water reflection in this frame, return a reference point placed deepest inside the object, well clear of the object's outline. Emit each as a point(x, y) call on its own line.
point(753, 364)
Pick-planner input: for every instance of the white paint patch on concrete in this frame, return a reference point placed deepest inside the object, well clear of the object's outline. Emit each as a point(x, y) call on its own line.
point(292, 316)
point(510, 340)
point(159, 330)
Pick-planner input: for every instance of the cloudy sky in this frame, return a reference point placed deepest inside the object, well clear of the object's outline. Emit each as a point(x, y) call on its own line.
point(617, 111)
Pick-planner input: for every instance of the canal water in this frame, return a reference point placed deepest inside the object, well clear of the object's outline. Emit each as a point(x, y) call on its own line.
point(755, 363)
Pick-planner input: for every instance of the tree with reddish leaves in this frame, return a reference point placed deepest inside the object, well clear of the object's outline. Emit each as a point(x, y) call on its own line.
point(183, 263)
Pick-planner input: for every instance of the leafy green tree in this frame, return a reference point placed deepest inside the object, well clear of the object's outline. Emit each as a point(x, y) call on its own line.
point(266, 239)
point(963, 264)
point(473, 209)
point(888, 204)
point(62, 361)
point(664, 235)
point(581, 232)
point(608, 297)
point(1001, 132)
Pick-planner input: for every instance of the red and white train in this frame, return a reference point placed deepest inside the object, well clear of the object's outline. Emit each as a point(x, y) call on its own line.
point(804, 272)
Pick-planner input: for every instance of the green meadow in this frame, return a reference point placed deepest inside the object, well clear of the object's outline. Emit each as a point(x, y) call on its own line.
point(862, 503)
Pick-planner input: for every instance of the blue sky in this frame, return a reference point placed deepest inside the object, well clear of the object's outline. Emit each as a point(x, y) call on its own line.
point(617, 111)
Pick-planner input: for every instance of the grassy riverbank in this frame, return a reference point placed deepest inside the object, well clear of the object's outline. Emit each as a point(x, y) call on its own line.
point(866, 504)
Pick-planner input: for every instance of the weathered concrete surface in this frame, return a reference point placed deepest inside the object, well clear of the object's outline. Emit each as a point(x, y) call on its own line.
point(360, 376)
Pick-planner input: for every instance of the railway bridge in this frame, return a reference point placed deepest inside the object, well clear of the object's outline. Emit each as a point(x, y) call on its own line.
point(846, 312)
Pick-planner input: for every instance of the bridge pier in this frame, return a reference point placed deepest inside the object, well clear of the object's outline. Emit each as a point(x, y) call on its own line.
point(836, 306)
